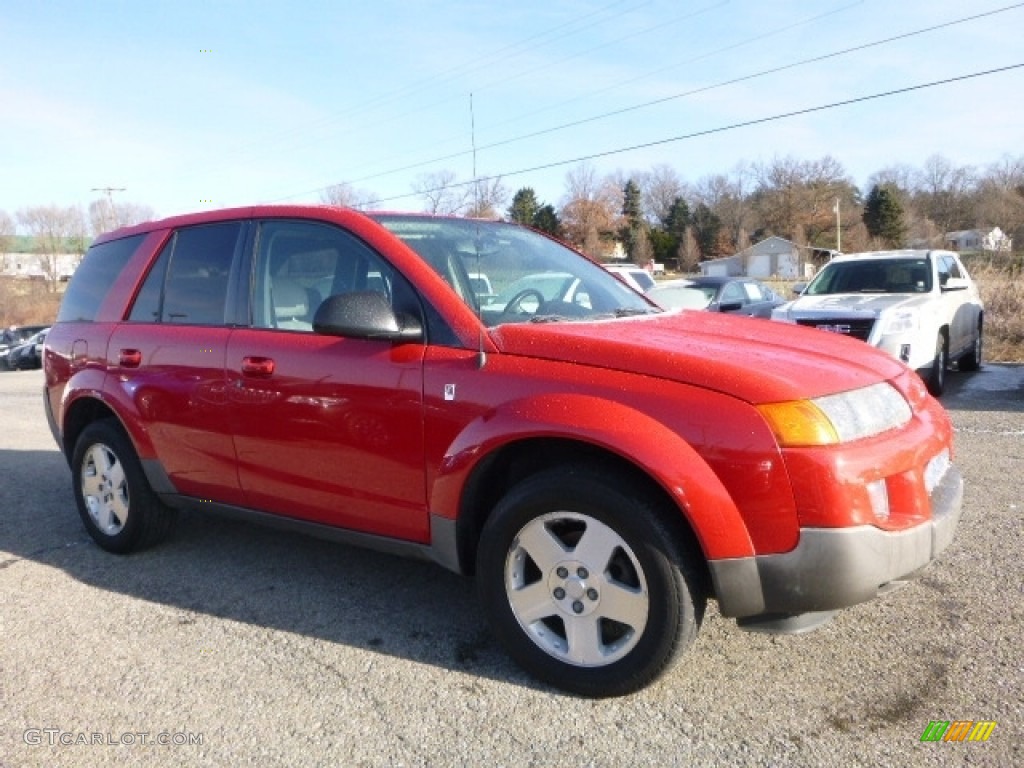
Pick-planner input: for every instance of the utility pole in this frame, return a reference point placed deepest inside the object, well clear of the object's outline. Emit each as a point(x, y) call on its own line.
point(110, 201)
point(839, 229)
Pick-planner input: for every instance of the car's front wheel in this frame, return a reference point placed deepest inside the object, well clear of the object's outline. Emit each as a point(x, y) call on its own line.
point(936, 379)
point(588, 588)
point(117, 506)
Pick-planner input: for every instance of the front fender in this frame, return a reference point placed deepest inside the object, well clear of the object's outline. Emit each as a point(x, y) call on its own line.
point(616, 428)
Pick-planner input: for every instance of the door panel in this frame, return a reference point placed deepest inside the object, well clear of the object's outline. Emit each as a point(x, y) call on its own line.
point(334, 434)
point(327, 429)
point(173, 378)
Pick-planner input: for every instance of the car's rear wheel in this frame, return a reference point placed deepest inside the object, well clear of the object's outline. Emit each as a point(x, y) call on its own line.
point(585, 584)
point(936, 380)
point(972, 360)
point(117, 506)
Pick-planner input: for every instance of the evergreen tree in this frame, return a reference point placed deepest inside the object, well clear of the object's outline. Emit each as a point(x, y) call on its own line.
point(883, 216)
point(676, 223)
point(633, 232)
point(524, 206)
point(546, 220)
point(678, 219)
point(706, 229)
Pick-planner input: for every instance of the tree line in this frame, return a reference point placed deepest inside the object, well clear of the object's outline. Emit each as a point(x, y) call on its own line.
point(656, 214)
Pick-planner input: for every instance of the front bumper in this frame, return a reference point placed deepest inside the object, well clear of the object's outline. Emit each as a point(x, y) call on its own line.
point(832, 568)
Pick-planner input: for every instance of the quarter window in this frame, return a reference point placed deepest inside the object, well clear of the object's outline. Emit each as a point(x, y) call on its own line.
point(93, 278)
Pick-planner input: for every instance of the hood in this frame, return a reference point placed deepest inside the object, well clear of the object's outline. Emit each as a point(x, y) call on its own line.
point(755, 360)
point(850, 304)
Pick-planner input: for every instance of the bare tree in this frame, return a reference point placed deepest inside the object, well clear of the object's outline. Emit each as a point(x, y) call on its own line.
point(347, 196)
point(945, 193)
point(441, 192)
point(104, 217)
point(6, 231)
point(660, 187)
point(590, 211)
point(486, 198)
point(1000, 197)
point(796, 199)
point(726, 195)
point(689, 253)
point(55, 231)
point(900, 178)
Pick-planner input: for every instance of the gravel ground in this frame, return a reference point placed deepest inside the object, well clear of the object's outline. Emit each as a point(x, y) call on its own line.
point(254, 647)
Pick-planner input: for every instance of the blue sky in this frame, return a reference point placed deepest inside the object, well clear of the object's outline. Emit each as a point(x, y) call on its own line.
point(191, 105)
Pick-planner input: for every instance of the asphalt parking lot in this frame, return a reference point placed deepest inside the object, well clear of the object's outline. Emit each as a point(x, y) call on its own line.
point(232, 645)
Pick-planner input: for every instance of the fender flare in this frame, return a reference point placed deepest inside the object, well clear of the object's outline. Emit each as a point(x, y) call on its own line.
point(92, 385)
point(619, 429)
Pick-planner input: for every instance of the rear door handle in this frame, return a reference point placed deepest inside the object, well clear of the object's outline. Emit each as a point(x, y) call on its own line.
point(258, 366)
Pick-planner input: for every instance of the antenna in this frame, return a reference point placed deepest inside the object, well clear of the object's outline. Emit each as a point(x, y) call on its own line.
point(481, 355)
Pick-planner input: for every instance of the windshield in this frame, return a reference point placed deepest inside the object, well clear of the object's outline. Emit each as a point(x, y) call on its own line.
point(510, 274)
point(873, 276)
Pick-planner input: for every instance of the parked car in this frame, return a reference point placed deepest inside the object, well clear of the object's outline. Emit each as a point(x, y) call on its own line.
point(919, 306)
point(736, 295)
point(637, 278)
point(602, 467)
point(15, 336)
point(28, 355)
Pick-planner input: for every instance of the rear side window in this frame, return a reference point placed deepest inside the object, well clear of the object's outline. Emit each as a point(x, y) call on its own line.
point(93, 278)
point(188, 284)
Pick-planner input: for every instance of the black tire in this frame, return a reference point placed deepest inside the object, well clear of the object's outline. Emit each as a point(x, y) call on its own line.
point(117, 506)
point(936, 379)
point(560, 628)
point(971, 361)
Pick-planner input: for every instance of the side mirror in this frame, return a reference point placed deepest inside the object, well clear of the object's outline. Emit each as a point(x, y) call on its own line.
point(732, 306)
point(943, 279)
point(364, 315)
point(799, 288)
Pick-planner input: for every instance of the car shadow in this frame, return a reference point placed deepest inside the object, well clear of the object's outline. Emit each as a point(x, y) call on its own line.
point(995, 387)
point(234, 570)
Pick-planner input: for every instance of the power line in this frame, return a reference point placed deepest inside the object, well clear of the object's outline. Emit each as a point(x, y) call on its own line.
point(692, 92)
point(566, 29)
point(720, 129)
point(589, 94)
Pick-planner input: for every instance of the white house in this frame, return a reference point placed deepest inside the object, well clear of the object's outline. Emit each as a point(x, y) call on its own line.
point(967, 240)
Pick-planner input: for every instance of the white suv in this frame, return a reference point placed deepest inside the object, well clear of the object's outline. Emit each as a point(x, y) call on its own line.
point(920, 306)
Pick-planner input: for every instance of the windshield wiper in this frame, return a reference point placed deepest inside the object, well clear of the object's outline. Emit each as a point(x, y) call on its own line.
point(631, 312)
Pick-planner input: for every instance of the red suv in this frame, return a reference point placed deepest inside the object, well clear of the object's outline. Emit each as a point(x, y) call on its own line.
point(601, 466)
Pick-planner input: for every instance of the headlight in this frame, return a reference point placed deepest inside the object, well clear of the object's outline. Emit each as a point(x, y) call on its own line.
point(837, 418)
point(901, 321)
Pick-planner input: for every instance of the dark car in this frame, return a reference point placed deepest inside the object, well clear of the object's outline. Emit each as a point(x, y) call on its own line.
point(29, 354)
point(736, 295)
point(13, 337)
